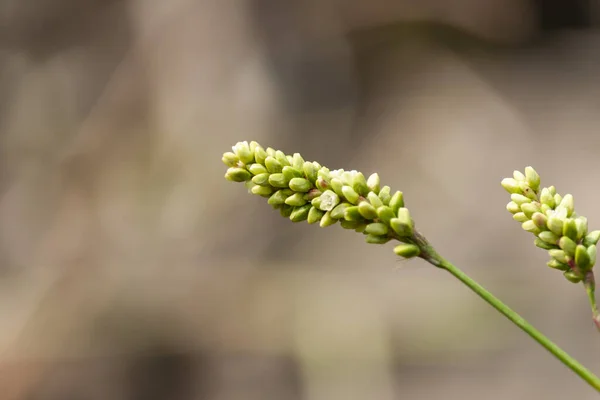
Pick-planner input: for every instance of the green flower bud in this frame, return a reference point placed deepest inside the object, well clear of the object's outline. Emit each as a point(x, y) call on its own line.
point(284, 210)
point(278, 180)
point(327, 220)
point(291, 173)
point(281, 157)
point(549, 237)
point(263, 191)
point(568, 203)
point(337, 186)
point(591, 238)
point(310, 171)
point(513, 207)
point(519, 199)
point(300, 185)
point(570, 229)
point(270, 152)
point(324, 173)
point(315, 215)
point(367, 210)
point(555, 225)
point(546, 210)
point(374, 200)
point(552, 190)
point(350, 194)
point(532, 178)
point(351, 224)
point(273, 166)
point(573, 276)
point(568, 245)
point(547, 198)
point(257, 169)
point(518, 175)
point(540, 220)
point(373, 183)
point(591, 250)
point(402, 229)
point(237, 175)
point(261, 179)
point(527, 191)
point(377, 228)
point(407, 250)
point(520, 217)
point(296, 200)
point(406, 220)
point(559, 255)
point(530, 208)
point(242, 150)
point(582, 227)
point(385, 214)
point(300, 213)
point(384, 195)
point(316, 202)
point(360, 228)
point(352, 214)
point(558, 265)
point(312, 194)
point(529, 226)
point(329, 200)
point(397, 201)
point(297, 161)
point(230, 159)
point(339, 210)
point(582, 258)
point(322, 184)
point(260, 155)
point(279, 197)
point(360, 184)
point(347, 178)
point(511, 185)
point(253, 145)
point(543, 245)
point(557, 199)
point(374, 239)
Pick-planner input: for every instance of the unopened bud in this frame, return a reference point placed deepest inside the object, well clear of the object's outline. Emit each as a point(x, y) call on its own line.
point(407, 250)
point(373, 183)
point(300, 185)
point(532, 178)
point(237, 175)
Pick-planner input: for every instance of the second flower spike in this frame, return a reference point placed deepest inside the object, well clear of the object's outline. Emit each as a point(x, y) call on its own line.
point(553, 220)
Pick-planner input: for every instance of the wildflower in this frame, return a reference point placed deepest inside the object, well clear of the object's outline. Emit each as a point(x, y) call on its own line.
point(307, 191)
point(554, 222)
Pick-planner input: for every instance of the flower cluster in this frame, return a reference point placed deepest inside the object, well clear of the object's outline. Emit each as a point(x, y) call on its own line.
point(306, 191)
point(552, 219)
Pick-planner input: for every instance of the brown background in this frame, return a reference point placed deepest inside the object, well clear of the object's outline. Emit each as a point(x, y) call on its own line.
point(130, 269)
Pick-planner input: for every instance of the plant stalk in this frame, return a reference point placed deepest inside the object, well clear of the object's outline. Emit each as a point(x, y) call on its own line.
point(432, 257)
point(590, 287)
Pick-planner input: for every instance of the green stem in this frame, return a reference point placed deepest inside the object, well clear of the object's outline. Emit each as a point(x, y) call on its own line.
point(431, 256)
point(590, 287)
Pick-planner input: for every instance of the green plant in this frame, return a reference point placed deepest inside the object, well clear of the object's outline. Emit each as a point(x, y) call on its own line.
point(557, 228)
point(307, 191)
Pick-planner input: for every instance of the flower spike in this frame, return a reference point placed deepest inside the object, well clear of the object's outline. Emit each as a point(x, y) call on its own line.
point(306, 191)
point(552, 219)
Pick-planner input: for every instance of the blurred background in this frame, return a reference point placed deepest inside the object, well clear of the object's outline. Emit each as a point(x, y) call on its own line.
point(130, 269)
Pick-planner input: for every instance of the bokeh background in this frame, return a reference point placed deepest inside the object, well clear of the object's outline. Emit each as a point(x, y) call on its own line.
point(130, 269)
